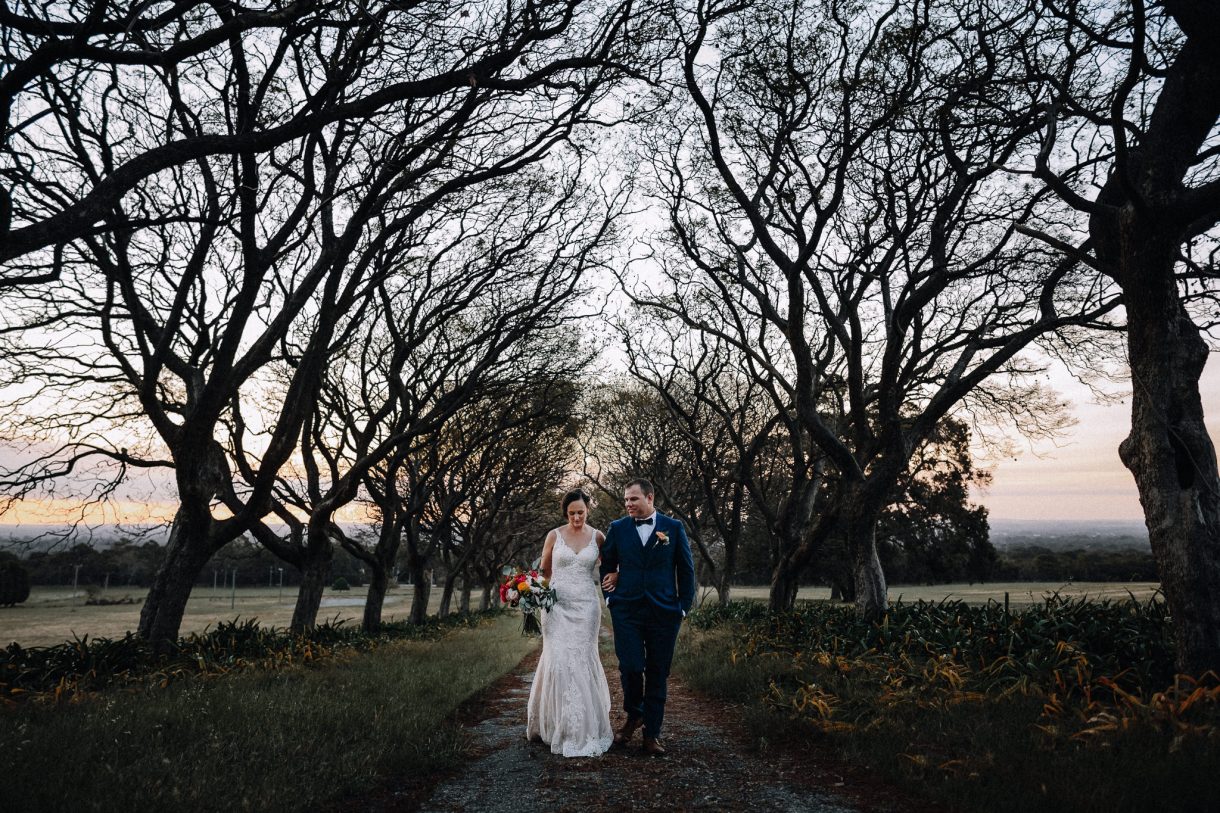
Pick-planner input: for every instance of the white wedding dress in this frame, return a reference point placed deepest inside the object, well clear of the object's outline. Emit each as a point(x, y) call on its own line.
point(569, 705)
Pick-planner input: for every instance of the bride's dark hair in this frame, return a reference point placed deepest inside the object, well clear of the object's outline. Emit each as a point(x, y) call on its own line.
point(572, 496)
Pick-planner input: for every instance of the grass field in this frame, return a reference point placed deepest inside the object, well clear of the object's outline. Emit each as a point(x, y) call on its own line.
point(1020, 594)
point(53, 615)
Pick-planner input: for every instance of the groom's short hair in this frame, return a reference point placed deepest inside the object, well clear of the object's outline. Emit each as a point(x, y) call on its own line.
point(645, 486)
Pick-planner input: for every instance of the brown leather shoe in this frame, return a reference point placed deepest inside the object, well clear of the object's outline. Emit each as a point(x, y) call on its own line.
point(628, 730)
point(653, 747)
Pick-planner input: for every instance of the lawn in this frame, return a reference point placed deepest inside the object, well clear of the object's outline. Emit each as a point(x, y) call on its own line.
point(53, 615)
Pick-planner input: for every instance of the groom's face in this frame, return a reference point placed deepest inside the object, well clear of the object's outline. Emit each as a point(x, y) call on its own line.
point(639, 504)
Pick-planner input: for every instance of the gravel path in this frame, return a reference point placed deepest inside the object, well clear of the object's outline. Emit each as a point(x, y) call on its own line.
point(709, 766)
point(706, 768)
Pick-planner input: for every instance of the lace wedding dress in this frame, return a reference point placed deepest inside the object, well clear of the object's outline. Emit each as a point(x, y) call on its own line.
point(569, 705)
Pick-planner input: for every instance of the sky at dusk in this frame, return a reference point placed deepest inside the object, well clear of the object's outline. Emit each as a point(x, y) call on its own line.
point(1080, 477)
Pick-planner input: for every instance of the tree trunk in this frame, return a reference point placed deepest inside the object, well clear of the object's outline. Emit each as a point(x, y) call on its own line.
point(485, 599)
point(419, 602)
point(783, 590)
point(1139, 229)
point(185, 556)
point(309, 595)
point(1173, 460)
point(798, 538)
point(446, 596)
point(723, 590)
point(421, 589)
point(863, 503)
point(315, 572)
point(464, 603)
point(201, 469)
point(380, 563)
point(375, 598)
point(867, 574)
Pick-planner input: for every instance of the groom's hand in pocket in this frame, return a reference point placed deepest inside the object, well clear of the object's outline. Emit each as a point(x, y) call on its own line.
point(609, 582)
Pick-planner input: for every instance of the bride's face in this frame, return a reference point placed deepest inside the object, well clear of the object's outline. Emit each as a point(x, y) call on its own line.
point(577, 513)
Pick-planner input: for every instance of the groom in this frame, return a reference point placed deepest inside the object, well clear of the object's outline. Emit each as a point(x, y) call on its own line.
point(649, 577)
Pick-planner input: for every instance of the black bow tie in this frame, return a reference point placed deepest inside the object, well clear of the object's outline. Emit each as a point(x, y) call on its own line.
point(640, 522)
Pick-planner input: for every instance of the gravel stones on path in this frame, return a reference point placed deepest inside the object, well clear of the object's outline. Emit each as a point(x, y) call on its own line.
point(706, 767)
point(709, 766)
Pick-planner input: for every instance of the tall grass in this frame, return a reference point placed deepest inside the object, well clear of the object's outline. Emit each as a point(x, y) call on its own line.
point(1071, 705)
point(279, 739)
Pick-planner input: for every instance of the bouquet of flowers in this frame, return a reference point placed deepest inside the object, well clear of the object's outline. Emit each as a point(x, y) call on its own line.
point(529, 590)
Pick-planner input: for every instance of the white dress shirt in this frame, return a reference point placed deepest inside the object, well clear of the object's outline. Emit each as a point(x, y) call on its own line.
point(645, 531)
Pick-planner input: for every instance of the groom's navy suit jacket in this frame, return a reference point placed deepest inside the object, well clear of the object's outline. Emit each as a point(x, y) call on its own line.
point(662, 573)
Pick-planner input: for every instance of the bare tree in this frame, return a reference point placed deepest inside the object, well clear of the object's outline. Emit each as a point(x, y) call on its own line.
point(450, 322)
point(359, 62)
point(299, 155)
point(834, 220)
point(724, 416)
point(463, 480)
point(1131, 92)
point(507, 475)
point(629, 433)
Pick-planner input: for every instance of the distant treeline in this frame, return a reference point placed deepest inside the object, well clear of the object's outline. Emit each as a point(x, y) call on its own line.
point(1098, 564)
point(133, 564)
point(129, 563)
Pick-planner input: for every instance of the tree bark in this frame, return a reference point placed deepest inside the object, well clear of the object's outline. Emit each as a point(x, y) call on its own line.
point(783, 590)
point(485, 599)
point(464, 602)
point(1173, 460)
point(185, 556)
point(867, 574)
point(784, 575)
point(1142, 220)
point(421, 589)
point(446, 596)
point(314, 575)
point(374, 600)
point(863, 504)
point(200, 472)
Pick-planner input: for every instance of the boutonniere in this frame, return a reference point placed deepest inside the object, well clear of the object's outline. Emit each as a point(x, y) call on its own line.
point(662, 538)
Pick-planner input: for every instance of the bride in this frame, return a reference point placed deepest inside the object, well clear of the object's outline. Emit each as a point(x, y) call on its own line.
point(569, 705)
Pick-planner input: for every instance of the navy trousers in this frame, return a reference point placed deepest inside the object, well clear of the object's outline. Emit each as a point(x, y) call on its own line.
point(644, 638)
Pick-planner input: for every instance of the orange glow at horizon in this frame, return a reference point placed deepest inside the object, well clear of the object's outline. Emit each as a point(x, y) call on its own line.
point(123, 512)
point(63, 512)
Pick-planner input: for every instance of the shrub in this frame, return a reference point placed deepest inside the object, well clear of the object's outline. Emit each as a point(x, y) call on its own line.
point(977, 707)
point(14, 583)
point(340, 584)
